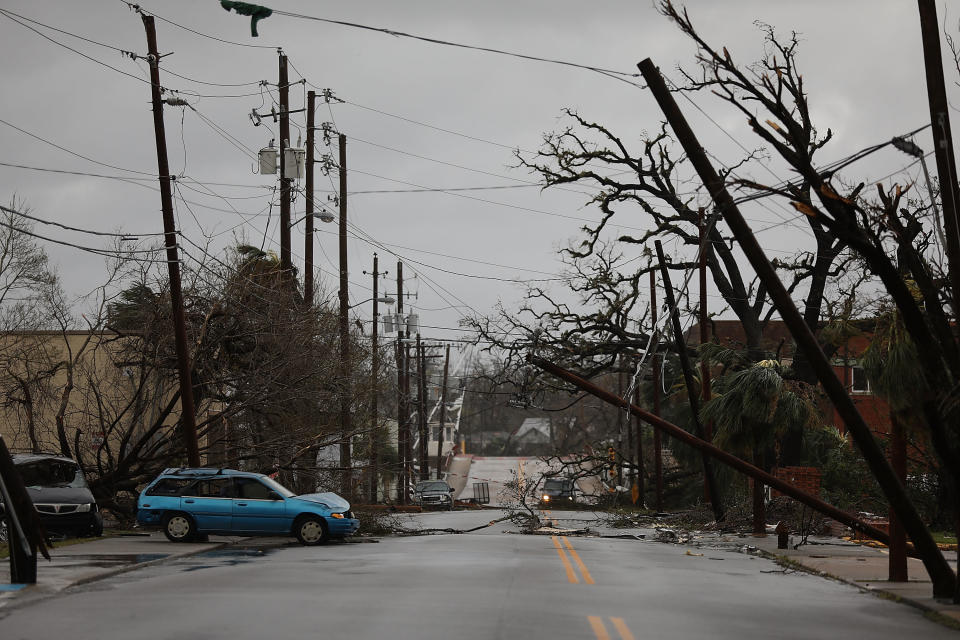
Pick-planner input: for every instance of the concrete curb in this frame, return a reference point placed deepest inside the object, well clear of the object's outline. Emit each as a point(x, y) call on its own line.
point(880, 593)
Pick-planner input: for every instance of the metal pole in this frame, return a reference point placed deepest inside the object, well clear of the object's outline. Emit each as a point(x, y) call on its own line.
point(308, 186)
point(347, 386)
point(285, 182)
point(940, 571)
point(187, 411)
point(374, 388)
point(712, 490)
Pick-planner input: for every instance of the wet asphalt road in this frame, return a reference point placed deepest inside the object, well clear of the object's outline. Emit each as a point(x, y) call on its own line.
point(489, 584)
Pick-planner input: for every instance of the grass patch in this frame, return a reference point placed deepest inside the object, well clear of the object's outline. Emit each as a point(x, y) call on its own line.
point(944, 537)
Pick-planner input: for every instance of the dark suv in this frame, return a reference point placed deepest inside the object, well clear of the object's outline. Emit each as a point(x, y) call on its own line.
point(433, 493)
point(556, 491)
point(60, 494)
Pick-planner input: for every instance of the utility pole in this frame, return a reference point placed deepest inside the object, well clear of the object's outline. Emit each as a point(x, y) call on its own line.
point(423, 453)
point(941, 574)
point(401, 396)
point(187, 411)
point(308, 237)
point(286, 266)
point(704, 333)
point(618, 455)
point(638, 426)
point(443, 412)
point(374, 365)
point(942, 141)
point(708, 477)
point(704, 318)
point(346, 387)
point(655, 365)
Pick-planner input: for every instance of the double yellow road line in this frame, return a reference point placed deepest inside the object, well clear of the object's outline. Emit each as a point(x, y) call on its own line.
point(566, 552)
point(600, 630)
point(571, 574)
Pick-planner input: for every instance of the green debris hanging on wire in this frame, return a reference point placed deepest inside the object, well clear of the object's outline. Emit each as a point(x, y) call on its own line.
point(255, 11)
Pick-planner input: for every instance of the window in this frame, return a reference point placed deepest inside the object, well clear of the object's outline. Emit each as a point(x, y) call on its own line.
point(858, 380)
point(211, 488)
point(252, 489)
point(168, 487)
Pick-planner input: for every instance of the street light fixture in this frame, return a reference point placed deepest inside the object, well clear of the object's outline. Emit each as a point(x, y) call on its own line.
point(384, 300)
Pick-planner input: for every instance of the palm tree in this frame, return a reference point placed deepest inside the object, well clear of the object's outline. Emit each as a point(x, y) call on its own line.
point(752, 409)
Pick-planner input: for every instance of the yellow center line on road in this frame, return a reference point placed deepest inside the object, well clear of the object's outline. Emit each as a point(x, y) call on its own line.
point(576, 558)
point(596, 623)
point(571, 575)
point(622, 628)
point(600, 630)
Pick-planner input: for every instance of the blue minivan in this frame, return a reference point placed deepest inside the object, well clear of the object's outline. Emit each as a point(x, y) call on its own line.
point(188, 502)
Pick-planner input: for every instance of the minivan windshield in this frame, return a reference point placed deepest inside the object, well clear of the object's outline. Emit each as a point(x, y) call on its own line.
point(556, 485)
point(51, 473)
point(438, 485)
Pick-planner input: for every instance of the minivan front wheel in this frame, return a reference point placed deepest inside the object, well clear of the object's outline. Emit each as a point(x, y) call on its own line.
point(179, 527)
point(311, 530)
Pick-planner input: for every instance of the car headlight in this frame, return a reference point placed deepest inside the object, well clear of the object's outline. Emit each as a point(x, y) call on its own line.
point(338, 516)
point(545, 498)
point(84, 508)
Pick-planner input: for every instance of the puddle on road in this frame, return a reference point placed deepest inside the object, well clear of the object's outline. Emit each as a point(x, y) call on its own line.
point(226, 557)
point(103, 561)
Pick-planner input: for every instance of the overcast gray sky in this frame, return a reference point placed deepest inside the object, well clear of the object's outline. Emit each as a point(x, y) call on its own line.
point(861, 60)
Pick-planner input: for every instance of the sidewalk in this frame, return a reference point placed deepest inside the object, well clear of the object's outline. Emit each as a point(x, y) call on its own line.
point(99, 558)
point(856, 564)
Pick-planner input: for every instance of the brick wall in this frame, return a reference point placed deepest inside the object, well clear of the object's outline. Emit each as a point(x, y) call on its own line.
point(806, 479)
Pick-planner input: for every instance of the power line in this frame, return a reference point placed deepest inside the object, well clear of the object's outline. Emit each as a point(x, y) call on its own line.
point(617, 75)
point(122, 236)
point(74, 153)
point(139, 9)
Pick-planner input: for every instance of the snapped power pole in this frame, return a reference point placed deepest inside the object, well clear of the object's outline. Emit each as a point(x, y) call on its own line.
point(187, 411)
point(941, 574)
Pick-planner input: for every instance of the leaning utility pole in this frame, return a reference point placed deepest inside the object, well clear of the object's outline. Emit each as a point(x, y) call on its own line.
point(402, 412)
point(655, 382)
point(709, 479)
point(308, 234)
point(941, 574)
point(286, 265)
point(346, 387)
point(443, 412)
point(942, 141)
point(187, 411)
point(374, 388)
